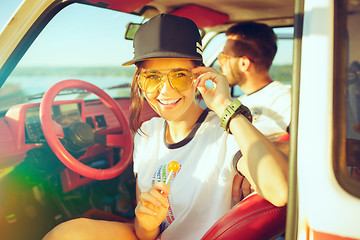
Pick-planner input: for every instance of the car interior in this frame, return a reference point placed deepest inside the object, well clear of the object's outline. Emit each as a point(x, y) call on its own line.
point(65, 142)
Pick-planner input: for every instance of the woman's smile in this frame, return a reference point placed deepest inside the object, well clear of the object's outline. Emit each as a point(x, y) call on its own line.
point(169, 102)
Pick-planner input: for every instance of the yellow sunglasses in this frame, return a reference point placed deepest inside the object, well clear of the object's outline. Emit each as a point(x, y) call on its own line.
point(151, 81)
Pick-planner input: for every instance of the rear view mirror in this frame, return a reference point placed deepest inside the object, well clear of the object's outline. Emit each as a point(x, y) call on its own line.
point(131, 30)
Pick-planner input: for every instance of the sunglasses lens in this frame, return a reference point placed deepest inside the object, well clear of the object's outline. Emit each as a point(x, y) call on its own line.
point(181, 80)
point(150, 82)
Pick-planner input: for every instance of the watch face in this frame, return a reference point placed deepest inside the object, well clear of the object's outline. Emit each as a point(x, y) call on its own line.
point(246, 112)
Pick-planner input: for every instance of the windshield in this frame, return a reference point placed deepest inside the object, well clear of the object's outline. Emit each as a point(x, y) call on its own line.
point(87, 43)
point(80, 42)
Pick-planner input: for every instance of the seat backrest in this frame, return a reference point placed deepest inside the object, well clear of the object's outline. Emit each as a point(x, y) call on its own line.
point(254, 218)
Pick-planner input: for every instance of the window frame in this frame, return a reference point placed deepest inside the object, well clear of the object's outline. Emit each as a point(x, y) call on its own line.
point(341, 170)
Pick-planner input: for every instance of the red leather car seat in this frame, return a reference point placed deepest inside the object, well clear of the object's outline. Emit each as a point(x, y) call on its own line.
point(254, 218)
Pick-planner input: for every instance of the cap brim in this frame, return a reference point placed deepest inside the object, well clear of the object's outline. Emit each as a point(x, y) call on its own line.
point(164, 54)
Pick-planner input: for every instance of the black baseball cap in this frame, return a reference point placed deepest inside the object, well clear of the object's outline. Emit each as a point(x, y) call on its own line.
point(167, 36)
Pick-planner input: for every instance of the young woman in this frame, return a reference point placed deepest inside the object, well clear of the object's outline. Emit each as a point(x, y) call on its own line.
point(209, 146)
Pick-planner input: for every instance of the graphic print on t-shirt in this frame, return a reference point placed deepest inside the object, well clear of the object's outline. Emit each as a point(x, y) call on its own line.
point(256, 112)
point(160, 176)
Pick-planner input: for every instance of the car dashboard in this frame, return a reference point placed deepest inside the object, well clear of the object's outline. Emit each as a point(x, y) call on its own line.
point(64, 114)
point(21, 132)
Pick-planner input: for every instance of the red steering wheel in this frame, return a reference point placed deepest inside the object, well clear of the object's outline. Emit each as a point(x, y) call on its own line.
point(123, 140)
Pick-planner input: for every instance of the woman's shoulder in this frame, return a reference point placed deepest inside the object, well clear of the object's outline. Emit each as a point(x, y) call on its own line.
point(154, 124)
point(153, 121)
point(211, 122)
point(212, 117)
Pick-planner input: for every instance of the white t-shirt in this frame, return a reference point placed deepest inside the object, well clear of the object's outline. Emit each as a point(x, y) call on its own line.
point(201, 189)
point(271, 109)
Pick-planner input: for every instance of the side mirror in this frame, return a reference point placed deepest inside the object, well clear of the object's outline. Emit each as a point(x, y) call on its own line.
point(131, 30)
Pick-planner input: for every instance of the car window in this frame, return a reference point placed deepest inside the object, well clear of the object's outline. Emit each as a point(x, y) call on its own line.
point(347, 106)
point(80, 42)
point(282, 65)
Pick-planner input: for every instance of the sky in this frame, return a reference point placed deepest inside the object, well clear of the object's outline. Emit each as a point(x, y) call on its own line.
point(79, 35)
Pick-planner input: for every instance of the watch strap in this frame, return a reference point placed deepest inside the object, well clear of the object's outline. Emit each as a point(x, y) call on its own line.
point(233, 109)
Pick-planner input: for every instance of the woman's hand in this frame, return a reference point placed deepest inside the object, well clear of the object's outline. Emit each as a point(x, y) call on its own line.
point(152, 207)
point(217, 98)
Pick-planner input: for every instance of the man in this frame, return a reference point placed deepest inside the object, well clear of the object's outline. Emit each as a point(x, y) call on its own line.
point(246, 59)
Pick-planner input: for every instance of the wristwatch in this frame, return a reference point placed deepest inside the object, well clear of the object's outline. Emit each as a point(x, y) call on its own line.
point(233, 109)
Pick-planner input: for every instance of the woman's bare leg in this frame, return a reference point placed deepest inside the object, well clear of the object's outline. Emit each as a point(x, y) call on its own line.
point(83, 228)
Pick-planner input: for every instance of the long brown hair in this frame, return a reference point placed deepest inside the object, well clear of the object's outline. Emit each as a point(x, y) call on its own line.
point(137, 102)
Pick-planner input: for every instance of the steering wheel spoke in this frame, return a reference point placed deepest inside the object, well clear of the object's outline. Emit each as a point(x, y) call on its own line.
point(116, 140)
point(59, 131)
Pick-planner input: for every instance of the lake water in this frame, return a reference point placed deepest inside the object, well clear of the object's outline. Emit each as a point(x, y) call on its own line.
point(17, 89)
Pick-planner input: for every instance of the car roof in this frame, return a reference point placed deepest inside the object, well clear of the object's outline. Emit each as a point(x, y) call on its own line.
point(215, 13)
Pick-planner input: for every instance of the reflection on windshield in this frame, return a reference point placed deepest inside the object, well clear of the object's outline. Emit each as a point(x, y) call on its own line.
point(352, 91)
point(28, 85)
point(81, 42)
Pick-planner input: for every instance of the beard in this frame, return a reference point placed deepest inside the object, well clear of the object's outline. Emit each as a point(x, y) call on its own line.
point(235, 76)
